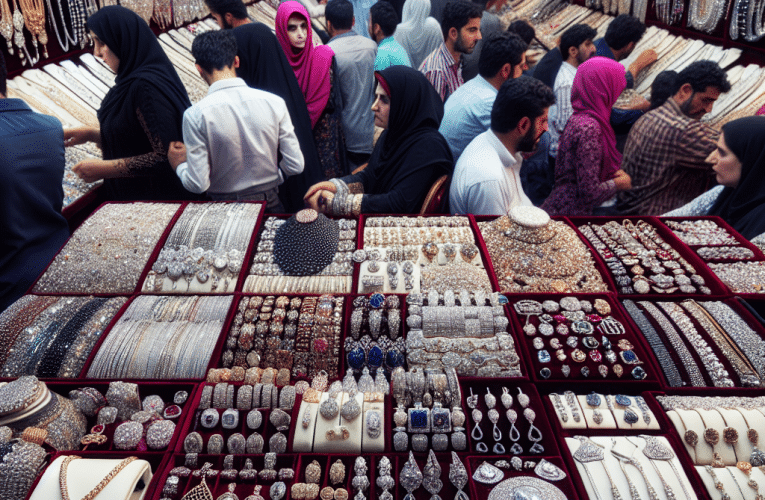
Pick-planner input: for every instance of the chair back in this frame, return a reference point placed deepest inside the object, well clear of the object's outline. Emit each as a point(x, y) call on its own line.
point(437, 200)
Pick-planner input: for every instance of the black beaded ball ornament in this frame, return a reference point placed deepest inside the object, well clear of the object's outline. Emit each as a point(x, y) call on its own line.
point(306, 243)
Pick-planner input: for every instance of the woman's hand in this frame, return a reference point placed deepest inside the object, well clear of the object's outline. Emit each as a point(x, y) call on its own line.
point(94, 170)
point(325, 185)
point(622, 180)
point(321, 201)
point(81, 135)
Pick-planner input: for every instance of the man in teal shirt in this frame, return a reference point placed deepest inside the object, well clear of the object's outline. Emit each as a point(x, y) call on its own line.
point(382, 24)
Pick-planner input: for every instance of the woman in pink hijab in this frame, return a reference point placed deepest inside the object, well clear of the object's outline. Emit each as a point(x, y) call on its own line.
point(313, 67)
point(587, 172)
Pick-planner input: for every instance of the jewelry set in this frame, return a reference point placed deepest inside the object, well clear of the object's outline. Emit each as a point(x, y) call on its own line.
point(593, 338)
point(428, 411)
point(205, 249)
point(472, 339)
point(375, 344)
point(641, 261)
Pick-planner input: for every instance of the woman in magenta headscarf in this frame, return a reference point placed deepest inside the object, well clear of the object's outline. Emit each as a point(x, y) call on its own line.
point(587, 172)
point(313, 67)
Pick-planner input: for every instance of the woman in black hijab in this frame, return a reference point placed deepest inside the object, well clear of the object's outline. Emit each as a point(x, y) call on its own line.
point(139, 117)
point(408, 158)
point(742, 202)
point(263, 65)
point(739, 165)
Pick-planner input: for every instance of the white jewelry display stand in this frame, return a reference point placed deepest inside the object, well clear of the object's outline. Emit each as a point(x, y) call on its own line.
point(303, 440)
point(701, 454)
point(320, 443)
point(84, 474)
point(355, 426)
point(589, 412)
point(626, 446)
point(733, 481)
point(640, 425)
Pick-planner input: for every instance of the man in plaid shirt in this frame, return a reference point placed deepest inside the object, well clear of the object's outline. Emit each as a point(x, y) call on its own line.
point(666, 149)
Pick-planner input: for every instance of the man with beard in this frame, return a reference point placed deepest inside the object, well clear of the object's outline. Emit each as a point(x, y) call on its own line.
point(461, 26)
point(577, 46)
point(667, 148)
point(487, 176)
point(228, 13)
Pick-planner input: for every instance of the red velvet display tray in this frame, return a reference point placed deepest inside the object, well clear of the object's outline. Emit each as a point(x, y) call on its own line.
point(162, 389)
point(597, 263)
point(642, 349)
point(741, 311)
point(248, 253)
point(214, 357)
point(714, 284)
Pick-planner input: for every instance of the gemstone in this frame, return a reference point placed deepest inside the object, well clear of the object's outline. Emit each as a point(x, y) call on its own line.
point(545, 373)
point(618, 370)
point(603, 370)
point(593, 399)
point(638, 373)
point(377, 300)
point(565, 370)
point(611, 356)
point(375, 357)
point(503, 300)
point(356, 358)
point(585, 371)
point(538, 343)
point(572, 342)
point(418, 418)
point(596, 356)
point(630, 416)
point(393, 359)
point(546, 329)
point(544, 356)
point(590, 343)
point(594, 318)
point(97, 429)
point(629, 357)
point(606, 343)
point(559, 318)
point(555, 344)
point(172, 411)
point(623, 400)
point(562, 329)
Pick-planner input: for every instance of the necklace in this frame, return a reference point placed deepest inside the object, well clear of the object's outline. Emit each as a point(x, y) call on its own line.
point(99, 487)
point(64, 44)
point(34, 19)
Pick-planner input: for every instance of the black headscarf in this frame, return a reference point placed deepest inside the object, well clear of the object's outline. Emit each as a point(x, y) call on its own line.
point(743, 207)
point(263, 65)
point(410, 152)
point(147, 83)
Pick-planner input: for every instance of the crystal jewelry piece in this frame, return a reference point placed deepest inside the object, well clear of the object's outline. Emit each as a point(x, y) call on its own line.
point(458, 477)
point(400, 441)
point(476, 433)
point(410, 477)
point(494, 418)
point(506, 398)
point(482, 447)
point(633, 489)
point(512, 417)
point(656, 450)
point(420, 419)
point(549, 471)
point(516, 449)
point(590, 452)
point(373, 424)
point(523, 399)
point(530, 415)
point(488, 474)
point(490, 399)
point(472, 400)
point(571, 401)
point(516, 463)
point(431, 475)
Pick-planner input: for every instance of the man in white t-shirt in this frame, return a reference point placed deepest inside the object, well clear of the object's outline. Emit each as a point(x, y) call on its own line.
point(487, 178)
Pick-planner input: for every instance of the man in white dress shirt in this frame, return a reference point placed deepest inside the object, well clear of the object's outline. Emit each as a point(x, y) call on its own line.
point(233, 137)
point(487, 176)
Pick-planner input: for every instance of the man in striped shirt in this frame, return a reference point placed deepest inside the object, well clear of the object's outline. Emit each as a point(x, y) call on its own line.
point(666, 149)
point(461, 26)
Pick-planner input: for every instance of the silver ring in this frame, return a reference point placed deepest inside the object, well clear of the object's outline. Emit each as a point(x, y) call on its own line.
point(229, 419)
point(481, 447)
point(498, 449)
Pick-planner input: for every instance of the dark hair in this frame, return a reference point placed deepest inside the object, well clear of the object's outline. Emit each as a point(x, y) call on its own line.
point(703, 74)
point(223, 7)
point(574, 37)
point(3, 75)
point(498, 50)
point(214, 49)
point(340, 14)
point(519, 97)
point(623, 30)
point(457, 14)
point(523, 29)
point(384, 14)
point(663, 86)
